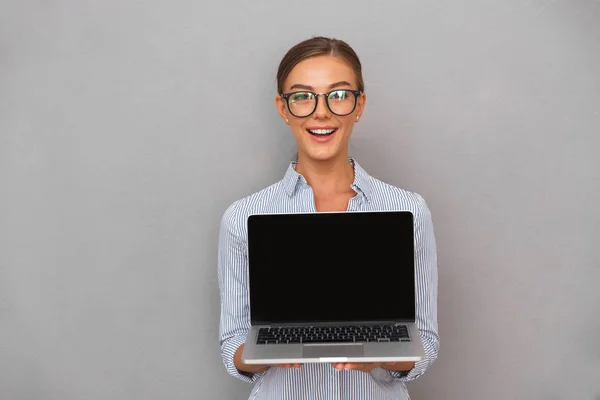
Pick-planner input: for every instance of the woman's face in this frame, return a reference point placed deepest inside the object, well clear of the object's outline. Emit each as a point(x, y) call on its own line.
point(322, 135)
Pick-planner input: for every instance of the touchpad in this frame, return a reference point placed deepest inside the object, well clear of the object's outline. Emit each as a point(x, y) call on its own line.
point(332, 351)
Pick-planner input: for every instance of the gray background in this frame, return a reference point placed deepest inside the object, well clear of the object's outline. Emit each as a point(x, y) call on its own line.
point(122, 142)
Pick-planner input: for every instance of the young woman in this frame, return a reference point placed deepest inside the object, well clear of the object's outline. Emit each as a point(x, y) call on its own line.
point(320, 97)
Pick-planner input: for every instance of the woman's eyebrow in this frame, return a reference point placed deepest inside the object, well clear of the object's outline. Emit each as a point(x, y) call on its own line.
point(340, 83)
point(300, 86)
point(307, 87)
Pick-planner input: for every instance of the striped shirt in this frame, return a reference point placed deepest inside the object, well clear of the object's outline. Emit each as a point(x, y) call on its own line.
point(322, 381)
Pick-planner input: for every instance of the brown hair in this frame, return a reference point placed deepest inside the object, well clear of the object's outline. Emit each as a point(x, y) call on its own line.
point(314, 47)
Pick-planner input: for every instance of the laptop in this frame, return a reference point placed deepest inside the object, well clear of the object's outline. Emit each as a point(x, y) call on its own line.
point(332, 287)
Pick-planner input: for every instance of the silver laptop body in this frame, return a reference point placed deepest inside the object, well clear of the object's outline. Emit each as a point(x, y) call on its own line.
point(332, 287)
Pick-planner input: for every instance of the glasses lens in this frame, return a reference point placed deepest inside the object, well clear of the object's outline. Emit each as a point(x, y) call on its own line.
point(341, 102)
point(302, 103)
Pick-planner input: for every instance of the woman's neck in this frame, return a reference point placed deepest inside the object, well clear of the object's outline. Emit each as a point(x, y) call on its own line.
point(327, 178)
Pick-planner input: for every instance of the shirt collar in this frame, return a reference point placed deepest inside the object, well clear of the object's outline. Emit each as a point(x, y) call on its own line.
point(361, 184)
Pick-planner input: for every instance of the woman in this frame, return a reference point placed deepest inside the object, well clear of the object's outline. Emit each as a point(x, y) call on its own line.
point(320, 97)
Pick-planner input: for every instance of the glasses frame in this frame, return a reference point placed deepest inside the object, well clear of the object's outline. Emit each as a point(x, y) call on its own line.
point(287, 96)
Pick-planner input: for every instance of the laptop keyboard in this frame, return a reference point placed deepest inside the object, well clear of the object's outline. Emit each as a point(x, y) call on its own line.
point(338, 334)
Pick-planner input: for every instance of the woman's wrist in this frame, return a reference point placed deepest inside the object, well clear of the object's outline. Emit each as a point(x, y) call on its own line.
point(247, 368)
point(399, 366)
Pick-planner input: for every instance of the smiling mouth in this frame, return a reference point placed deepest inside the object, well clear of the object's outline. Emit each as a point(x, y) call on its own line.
point(321, 132)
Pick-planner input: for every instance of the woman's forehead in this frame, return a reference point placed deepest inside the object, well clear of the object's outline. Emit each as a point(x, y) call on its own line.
point(320, 73)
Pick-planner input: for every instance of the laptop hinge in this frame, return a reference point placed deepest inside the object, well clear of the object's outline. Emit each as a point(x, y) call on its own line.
point(349, 323)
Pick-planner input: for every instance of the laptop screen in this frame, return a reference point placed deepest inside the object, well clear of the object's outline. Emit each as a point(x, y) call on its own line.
point(331, 267)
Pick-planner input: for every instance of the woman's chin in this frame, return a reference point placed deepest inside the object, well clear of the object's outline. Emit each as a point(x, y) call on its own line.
point(322, 155)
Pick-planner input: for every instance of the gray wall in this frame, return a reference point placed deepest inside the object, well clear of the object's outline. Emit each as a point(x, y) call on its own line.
point(121, 144)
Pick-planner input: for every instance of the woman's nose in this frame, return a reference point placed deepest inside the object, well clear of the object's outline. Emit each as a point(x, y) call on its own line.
point(322, 111)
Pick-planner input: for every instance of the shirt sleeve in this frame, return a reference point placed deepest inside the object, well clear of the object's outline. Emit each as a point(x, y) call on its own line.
point(426, 275)
point(232, 267)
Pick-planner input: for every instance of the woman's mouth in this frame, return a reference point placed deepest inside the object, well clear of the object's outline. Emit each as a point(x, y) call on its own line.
point(322, 132)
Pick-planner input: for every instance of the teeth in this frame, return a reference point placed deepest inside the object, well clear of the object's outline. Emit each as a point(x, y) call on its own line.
point(321, 131)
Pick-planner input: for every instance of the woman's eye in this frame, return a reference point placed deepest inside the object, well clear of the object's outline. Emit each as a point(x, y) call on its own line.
point(338, 95)
point(301, 96)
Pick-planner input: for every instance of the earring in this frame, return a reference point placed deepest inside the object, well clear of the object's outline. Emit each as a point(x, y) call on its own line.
point(357, 118)
point(287, 121)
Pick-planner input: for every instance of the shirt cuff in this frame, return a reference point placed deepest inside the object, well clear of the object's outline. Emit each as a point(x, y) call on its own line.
point(228, 350)
point(414, 373)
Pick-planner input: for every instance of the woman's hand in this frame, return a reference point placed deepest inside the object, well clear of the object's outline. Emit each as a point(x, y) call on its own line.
point(286, 365)
point(256, 368)
point(260, 368)
point(368, 367)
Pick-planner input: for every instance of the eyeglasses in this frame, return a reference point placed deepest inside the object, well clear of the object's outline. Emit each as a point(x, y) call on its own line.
point(340, 102)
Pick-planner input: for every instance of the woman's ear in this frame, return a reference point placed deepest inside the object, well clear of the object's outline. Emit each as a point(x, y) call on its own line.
point(360, 105)
point(281, 108)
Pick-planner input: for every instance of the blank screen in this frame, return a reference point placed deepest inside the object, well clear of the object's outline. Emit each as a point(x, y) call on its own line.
point(331, 267)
